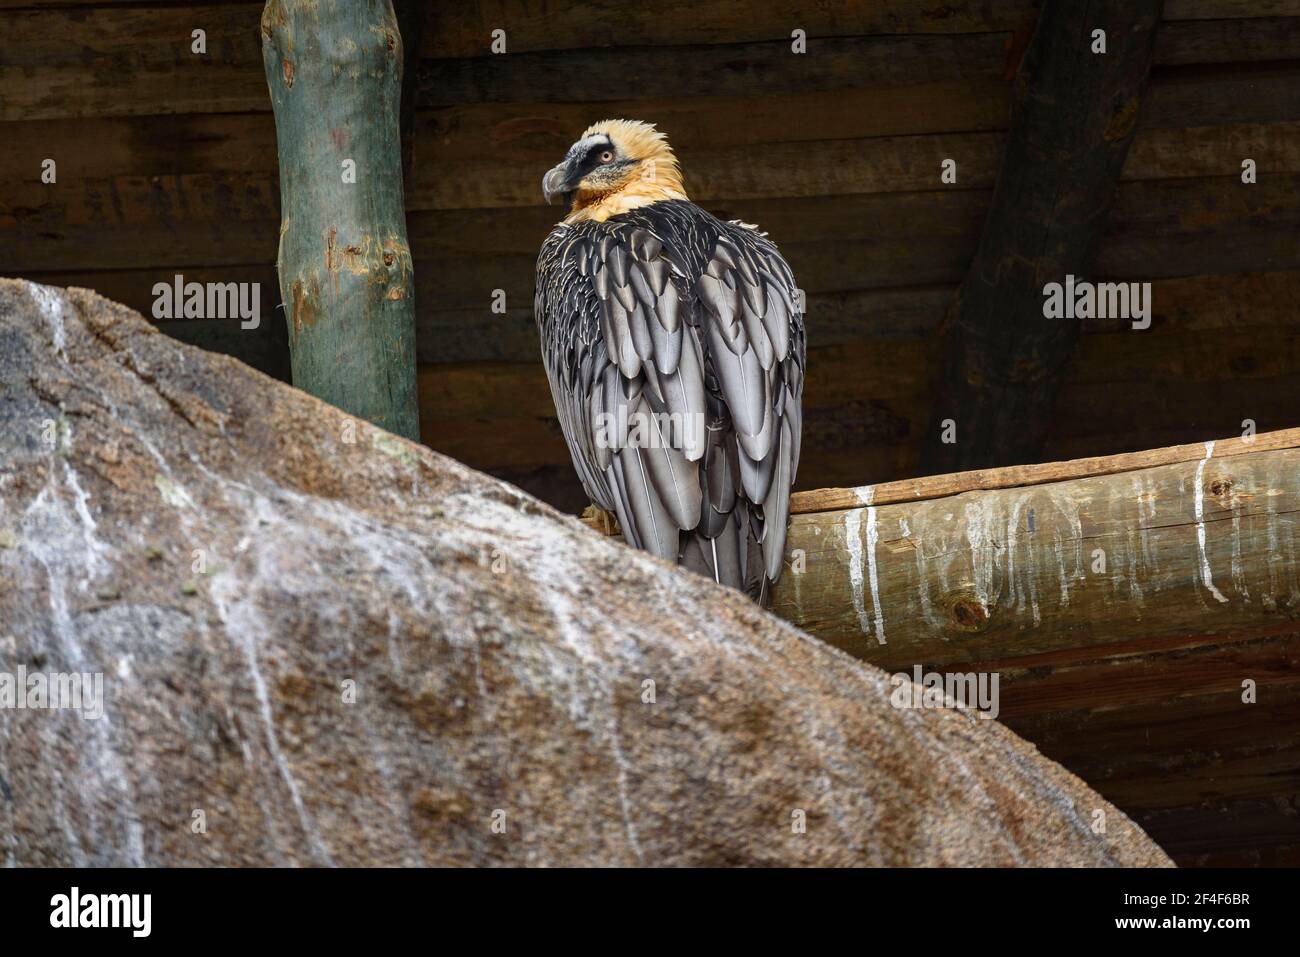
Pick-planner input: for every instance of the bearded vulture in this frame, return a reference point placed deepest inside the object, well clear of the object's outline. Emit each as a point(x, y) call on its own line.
point(674, 345)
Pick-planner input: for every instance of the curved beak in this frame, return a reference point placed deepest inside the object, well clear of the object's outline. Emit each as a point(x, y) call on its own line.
point(556, 184)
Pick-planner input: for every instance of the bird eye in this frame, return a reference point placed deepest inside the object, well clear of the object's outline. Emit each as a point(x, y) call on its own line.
point(606, 156)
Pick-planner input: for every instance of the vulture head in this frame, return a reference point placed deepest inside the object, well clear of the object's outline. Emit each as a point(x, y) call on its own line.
point(615, 166)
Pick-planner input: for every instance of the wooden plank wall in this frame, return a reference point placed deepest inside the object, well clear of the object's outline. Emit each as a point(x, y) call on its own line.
point(167, 164)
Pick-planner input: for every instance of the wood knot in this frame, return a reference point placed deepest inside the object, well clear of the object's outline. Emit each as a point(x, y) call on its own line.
point(288, 73)
point(1122, 121)
point(967, 613)
point(1220, 487)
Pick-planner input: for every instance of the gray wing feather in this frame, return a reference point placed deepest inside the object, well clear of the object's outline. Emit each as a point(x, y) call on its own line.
point(629, 326)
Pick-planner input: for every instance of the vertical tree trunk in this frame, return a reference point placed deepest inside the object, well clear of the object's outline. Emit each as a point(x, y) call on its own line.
point(334, 68)
point(1074, 117)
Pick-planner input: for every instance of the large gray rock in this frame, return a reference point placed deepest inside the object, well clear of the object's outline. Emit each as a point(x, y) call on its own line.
point(213, 543)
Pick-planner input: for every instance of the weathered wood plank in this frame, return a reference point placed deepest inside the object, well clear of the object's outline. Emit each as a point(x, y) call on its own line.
point(533, 130)
point(129, 61)
point(1254, 104)
point(1156, 230)
point(1241, 303)
point(1259, 832)
point(1227, 41)
point(730, 70)
point(464, 30)
point(1174, 9)
point(265, 348)
point(1208, 96)
point(838, 63)
point(1207, 775)
point(1214, 745)
point(875, 165)
point(1223, 9)
point(1110, 677)
point(130, 146)
point(1189, 202)
point(136, 61)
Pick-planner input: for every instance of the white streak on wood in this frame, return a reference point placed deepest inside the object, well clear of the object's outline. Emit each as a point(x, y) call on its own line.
point(1060, 571)
point(873, 536)
point(979, 520)
point(853, 539)
point(923, 579)
point(1238, 572)
point(1015, 597)
point(1199, 493)
point(1270, 600)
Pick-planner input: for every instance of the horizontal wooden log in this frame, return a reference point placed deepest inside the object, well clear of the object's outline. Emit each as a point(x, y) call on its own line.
point(1020, 476)
point(966, 578)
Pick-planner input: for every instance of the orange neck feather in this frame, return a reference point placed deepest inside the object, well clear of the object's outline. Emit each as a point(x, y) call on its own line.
point(655, 179)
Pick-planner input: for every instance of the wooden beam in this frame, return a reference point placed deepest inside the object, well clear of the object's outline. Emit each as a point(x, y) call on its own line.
point(1192, 541)
point(1021, 476)
point(1002, 358)
point(345, 266)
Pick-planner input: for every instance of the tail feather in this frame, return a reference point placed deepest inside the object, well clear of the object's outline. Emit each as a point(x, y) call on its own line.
point(734, 557)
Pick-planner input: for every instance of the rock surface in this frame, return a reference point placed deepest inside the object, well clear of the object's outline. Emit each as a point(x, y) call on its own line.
point(324, 645)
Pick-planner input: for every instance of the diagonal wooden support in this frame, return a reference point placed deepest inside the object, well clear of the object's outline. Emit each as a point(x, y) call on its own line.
point(1074, 117)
